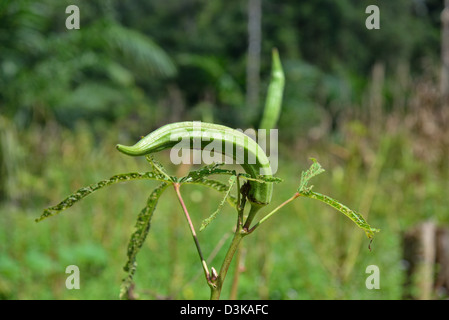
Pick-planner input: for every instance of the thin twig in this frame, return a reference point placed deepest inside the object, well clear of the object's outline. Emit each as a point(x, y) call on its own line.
point(192, 230)
point(296, 195)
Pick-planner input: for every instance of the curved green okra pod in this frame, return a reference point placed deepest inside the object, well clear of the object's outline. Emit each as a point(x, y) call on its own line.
point(198, 135)
point(274, 95)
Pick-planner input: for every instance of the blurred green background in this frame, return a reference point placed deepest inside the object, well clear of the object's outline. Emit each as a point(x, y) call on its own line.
point(365, 103)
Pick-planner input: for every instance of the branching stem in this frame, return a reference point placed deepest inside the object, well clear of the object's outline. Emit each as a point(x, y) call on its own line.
point(218, 282)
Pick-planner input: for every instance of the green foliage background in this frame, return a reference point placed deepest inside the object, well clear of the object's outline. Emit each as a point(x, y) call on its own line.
point(364, 103)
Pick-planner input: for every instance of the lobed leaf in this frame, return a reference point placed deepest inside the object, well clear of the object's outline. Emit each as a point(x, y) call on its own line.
point(206, 222)
point(314, 170)
point(261, 178)
point(85, 191)
point(205, 171)
point(218, 186)
point(159, 168)
point(356, 217)
point(142, 227)
point(306, 191)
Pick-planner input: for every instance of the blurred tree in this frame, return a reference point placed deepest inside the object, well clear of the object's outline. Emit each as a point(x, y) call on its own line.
point(329, 35)
point(254, 53)
point(445, 51)
point(48, 71)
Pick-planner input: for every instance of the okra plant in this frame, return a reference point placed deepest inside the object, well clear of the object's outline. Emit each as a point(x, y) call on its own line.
point(254, 186)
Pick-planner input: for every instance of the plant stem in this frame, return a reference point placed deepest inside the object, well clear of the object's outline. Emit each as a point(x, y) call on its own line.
point(240, 232)
point(252, 213)
point(192, 230)
point(218, 283)
point(240, 258)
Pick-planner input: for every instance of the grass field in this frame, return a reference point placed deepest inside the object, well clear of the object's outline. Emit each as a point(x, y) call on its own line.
point(306, 251)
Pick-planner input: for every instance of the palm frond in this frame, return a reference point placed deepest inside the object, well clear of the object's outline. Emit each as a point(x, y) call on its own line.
point(138, 51)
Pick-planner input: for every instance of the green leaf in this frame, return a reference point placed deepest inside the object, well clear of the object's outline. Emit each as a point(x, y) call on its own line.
point(85, 191)
point(158, 168)
point(212, 169)
point(218, 186)
point(206, 222)
point(137, 239)
point(261, 178)
point(199, 177)
point(306, 191)
point(314, 170)
point(356, 217)
point(205, 171)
